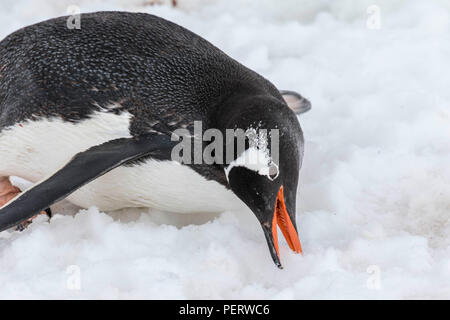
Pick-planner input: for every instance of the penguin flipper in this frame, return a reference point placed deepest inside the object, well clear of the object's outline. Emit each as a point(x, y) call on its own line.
point(80, 170)
point(296, 101)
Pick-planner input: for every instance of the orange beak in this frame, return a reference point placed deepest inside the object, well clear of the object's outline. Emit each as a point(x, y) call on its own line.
point(281, 219)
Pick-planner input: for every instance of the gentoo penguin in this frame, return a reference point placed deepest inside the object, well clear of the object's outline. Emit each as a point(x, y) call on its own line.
point(89, 114)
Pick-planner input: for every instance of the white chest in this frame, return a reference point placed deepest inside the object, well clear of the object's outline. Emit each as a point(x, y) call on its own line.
point(35, 150)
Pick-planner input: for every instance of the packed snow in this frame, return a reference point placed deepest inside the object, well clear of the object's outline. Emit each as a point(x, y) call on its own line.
point(374, 196)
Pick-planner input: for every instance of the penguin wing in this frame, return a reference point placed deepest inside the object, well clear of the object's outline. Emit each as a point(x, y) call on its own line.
point(296, 101)
point(80, 170)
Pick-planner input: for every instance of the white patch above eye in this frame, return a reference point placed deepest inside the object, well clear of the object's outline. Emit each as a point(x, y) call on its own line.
point(256, 160)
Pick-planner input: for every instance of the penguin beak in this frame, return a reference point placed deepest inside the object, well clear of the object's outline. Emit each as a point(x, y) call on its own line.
point(283, 221)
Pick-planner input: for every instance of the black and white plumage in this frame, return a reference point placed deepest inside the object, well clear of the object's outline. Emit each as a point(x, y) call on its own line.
point(88, 113)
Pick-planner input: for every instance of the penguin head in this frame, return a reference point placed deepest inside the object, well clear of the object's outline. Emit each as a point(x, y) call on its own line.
point(265, 175)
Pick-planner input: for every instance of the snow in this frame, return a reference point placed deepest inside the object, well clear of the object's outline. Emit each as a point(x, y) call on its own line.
point(374, 197)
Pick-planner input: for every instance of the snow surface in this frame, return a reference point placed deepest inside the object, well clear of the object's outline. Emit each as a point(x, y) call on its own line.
point(374, 199)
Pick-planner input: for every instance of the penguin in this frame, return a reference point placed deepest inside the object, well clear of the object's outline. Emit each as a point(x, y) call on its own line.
point(89, 114)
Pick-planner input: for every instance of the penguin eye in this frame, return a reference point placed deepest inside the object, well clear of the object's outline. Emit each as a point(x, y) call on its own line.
point(273, 171)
